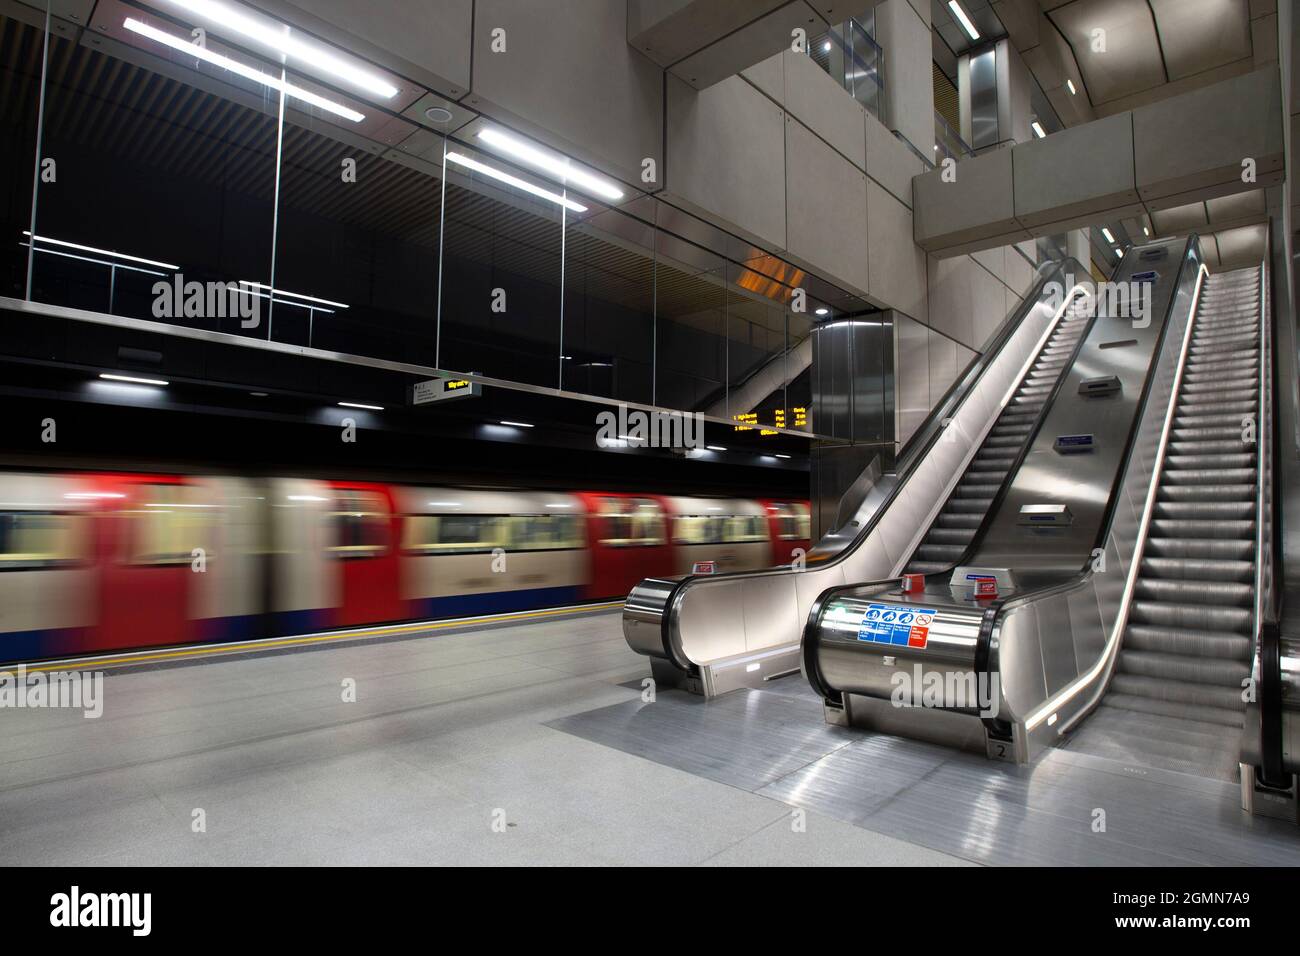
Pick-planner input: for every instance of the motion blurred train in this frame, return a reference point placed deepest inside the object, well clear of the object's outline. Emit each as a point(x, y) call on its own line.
point(91, 562)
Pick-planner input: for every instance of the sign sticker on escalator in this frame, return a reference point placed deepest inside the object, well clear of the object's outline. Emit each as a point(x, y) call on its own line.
point(897, 626)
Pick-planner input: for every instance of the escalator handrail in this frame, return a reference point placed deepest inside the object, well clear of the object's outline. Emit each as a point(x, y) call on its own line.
point(1268, 614)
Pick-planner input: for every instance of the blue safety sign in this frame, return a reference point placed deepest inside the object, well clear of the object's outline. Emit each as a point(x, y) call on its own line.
point(900, 626)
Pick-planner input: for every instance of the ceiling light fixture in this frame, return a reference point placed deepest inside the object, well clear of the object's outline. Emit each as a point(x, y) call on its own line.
point(1069, 85)
point(292, 295)
point(715, 448)
point(184, 46)
point(779, 455)
point(1106, 232)
point(276, 36)
point(1146, 231)
point(132, 379)
point(516, 424)
point(1038, 129)
point(101, 252)
point(823, 311)
point(474, 164)
point(963, 19)
point(369, 408)
point(558, 166)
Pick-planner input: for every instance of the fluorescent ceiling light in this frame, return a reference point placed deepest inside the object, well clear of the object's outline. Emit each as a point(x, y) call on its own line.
point(779, 455)
point(184, 46)
point(1118, 254)
point(827, 47)
point(823, 311)
point(515, 181)
point(1069, 85)
point(372, 408)
point(516, 424)
point(963, 19)
point(557, 166)
point(132, 379)
point(276, 37)
point(1146, 231)
point(294, 295)
point(101, 252)
point(1038, 129)
point(1106, 232)
point(715, 448)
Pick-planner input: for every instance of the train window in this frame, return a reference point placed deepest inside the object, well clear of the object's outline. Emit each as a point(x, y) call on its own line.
point(699, 529)
point(742, 528)
point(545, 532)
point(360, 524)
point(792, 520)
point(802, 520)
point(630, 522)
point(455, 534)
point(39, 539)
point(169, 524)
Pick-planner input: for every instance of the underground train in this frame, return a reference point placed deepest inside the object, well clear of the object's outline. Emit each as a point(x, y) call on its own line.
point(91, 562)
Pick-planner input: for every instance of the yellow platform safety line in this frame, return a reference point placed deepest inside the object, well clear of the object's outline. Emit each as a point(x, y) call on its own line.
point(272, 643)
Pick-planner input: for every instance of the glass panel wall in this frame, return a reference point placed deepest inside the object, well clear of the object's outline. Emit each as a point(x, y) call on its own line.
point(159, 174)
point(21, 53)
point(194, 176)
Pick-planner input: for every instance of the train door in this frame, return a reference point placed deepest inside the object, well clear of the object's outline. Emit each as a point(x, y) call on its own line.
point(627, 541)
point(147, 527)
point(363, 539)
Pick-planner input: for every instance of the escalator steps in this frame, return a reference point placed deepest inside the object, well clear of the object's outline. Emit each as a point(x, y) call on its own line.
point(1188, 643)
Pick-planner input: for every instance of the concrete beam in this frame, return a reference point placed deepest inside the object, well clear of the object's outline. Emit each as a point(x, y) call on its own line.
point(1184, 149)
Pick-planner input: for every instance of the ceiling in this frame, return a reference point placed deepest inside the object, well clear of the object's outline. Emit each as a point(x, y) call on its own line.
point(1127, 48)
point(1146, 50)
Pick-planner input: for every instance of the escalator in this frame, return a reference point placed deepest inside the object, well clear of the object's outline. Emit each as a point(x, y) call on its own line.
point(1176, 698)
point(714, 633)
point(1142, 622)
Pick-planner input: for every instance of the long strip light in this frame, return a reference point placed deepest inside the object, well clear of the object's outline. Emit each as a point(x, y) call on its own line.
point(462, 160)
point(133, 379)
point(963, 19)
point(1106, 232)
point(310, 54)
point(182, 45)
point(101, 252)
point(295, 295)
point(369, 408)
point(1069, 85)
point(1038, 129)
point(558, 166)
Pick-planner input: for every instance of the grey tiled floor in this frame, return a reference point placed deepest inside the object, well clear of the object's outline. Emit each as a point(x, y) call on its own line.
point(445, 730)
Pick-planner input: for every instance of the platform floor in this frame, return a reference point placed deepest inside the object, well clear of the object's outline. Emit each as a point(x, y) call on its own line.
point(544, 724)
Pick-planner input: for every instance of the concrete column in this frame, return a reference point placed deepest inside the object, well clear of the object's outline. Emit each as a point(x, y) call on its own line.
point(903, 30)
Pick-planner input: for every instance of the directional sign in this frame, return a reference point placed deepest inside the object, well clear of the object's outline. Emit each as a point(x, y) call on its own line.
point(442, 389)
